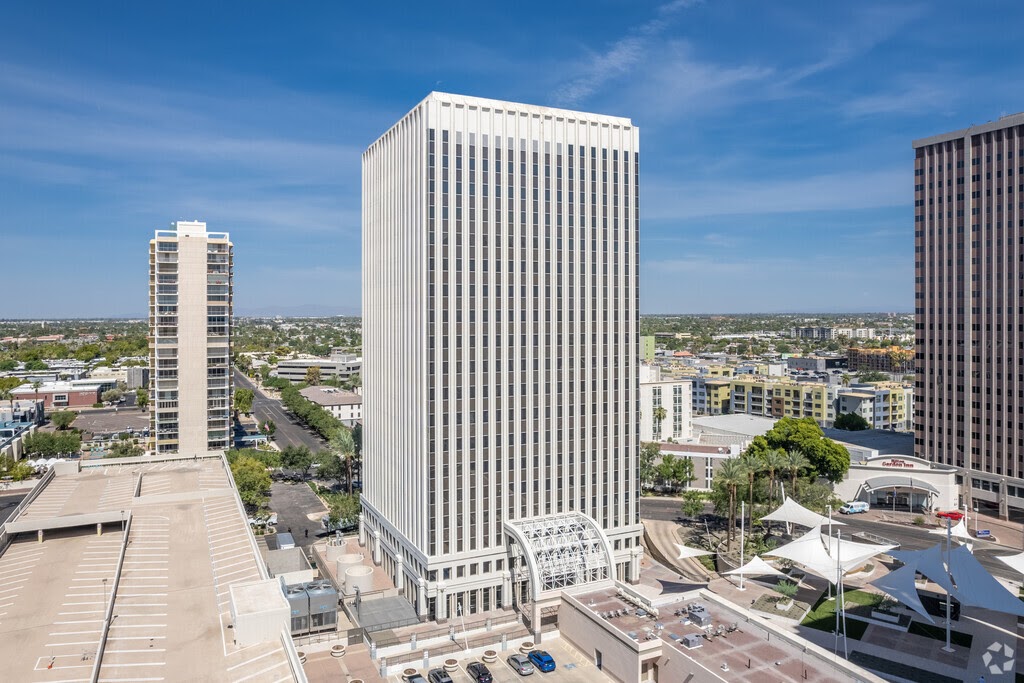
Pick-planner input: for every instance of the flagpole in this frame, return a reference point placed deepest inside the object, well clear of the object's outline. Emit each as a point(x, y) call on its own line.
point(949, 595)
point(830, 541)
point(742, 518)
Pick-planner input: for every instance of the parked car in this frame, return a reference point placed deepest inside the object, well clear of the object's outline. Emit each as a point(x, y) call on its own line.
point(954, 515)
point(439, 676)
point(854, 507)
point(416, 678)
point(479, 672)
point(520, 664)
point(542, 660)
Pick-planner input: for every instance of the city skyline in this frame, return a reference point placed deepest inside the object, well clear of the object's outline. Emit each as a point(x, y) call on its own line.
point(776, 138)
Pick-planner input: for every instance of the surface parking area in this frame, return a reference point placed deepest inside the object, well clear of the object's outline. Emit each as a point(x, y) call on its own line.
point(571, 667)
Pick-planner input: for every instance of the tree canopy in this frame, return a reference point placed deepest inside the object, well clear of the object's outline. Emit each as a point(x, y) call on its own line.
point(828, 458)
point(851, 422)
point(251, 480)
point(62, 419)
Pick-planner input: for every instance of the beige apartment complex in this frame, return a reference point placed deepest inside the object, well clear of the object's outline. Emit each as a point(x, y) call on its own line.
point(190, 291)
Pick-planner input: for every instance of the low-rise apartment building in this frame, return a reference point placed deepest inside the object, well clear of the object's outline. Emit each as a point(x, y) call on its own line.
point(346, 406)
point(885, 405)
point(769, 397)
point(665, 406)
point(893, 359)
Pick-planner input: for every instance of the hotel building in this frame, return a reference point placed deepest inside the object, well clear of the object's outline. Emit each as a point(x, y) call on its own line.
point(969, 315)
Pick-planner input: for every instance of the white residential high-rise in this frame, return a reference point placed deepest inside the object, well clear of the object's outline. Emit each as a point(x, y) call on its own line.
point(190, 291)
point(500, 322)
point(666, 406)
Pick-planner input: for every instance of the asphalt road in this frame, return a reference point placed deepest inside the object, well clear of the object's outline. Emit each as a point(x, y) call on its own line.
point(289, 432)
point(10, 501)
point(908, 537)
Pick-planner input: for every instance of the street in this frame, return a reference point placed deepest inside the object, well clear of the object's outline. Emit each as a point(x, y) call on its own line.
point(908, 537)
point(289, 431)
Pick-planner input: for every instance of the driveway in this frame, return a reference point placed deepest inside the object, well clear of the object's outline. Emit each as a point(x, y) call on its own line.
point(298, 510)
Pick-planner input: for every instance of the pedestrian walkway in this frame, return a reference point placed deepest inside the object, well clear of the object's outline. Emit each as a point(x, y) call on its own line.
point(660, 539)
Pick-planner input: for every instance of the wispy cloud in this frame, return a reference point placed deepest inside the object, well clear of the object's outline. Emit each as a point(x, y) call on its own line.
point(620, 58)
point(826, 192)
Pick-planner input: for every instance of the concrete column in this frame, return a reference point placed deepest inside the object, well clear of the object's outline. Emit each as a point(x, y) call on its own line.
point(399, 579)
point(506, 589)
point(99, 529)
point(421, 599)
point(376, 547)
point(362, 530)
point(39, 535)
point(634, 564)
point(441, 603)
point(536, 621)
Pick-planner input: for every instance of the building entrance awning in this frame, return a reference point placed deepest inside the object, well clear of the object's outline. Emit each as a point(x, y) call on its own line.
point(890, 482)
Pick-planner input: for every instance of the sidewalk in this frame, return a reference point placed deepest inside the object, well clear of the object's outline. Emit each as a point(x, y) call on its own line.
point(660, 539)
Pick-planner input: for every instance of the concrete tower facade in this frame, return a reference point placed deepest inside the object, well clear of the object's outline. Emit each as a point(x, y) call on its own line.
point(969, 265)
point(190, 307)
point(500, 318)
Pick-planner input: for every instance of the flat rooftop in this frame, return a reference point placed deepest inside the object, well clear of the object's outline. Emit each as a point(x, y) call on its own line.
point(881, 440)
point(187, 543)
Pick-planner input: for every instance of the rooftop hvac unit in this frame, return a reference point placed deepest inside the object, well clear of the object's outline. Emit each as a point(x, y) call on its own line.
point(323, 605)
point(298, 603)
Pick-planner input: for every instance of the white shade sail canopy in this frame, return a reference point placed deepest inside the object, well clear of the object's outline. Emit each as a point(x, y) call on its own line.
point(958, 531)
point(1015, 562)
point(901, 586)
point(795, 513)
point(756, 567)
point(963, 577)
point(822, 555)
point(686, 552)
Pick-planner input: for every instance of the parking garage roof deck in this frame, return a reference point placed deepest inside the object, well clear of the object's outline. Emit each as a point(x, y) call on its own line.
point(188, 541)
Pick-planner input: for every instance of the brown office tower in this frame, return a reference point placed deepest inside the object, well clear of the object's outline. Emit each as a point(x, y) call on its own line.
point(969, 304)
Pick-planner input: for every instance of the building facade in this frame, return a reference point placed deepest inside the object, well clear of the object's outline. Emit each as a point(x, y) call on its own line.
point(885, 405)
point(894, 359)
point(500, 318)
point(784, 398)
point(346, 406)
point(666, 406)
point(968, 231)
point(190, 307)
point(339, 366)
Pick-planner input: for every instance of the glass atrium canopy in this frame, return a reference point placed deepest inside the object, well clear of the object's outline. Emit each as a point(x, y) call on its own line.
point(562, 550)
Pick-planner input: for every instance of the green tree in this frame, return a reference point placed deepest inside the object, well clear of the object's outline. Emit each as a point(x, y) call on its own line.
point(828, 458)
point(693, 503)
point(731, 475)
point(659, 416)
point(872, 376)
point(343, 446)
point(251, 480)
point(269, 428)
point(8, 364)
point(243, 400)
point(851, 422)
point(296, 458)
point(62, 419)
point(331, 466)
point(649, 452)
point(666, 470)
point(21, 471)
point(795, 462)
point(683, 472)
point(141, 398)
point(36, 365)
point(313, 375)
point(125, 449)
point(774, 461)
point(343, 509)
point(111, 395)
point(753, 465)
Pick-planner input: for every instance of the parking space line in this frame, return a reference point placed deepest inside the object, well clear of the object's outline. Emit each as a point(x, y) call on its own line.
point(261, 672)
point(250, 661)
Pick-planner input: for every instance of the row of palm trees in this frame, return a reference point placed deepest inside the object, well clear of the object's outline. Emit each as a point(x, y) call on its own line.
point(744, 470)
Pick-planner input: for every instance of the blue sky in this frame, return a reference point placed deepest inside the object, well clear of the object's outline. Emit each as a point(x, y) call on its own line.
point(776, 159)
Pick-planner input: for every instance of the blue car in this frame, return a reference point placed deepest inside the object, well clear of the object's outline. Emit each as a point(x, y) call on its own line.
point(542, 660)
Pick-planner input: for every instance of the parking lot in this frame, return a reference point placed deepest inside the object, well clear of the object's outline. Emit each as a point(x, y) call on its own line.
point(298, 510)
point(571, 667)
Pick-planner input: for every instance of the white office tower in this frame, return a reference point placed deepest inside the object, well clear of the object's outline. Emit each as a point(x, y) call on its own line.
point(500, 328)
point(190, 283)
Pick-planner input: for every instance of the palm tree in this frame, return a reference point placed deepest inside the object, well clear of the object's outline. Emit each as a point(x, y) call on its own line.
point(6, 395)
point(795, 461)
point(659, 417)
point(342, 444)
point(774, 461)
point(753, 466)
point(731, 474)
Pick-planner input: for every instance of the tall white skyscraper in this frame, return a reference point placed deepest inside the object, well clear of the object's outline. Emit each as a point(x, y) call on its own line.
point(190, 291)
point(500, 322)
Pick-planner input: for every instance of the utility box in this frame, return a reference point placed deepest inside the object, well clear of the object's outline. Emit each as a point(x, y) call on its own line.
point(298, 604)
point(259, 612)
point(323, 606)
